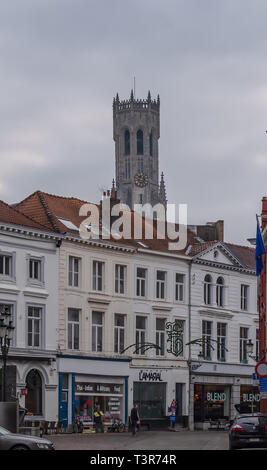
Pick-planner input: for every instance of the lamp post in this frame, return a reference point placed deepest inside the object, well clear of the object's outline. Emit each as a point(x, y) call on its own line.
point(6, 335)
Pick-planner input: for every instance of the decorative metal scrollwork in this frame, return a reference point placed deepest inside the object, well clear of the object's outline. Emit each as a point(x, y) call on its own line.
point(175, 335)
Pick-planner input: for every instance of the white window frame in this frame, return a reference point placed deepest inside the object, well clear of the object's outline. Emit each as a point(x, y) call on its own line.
point(221, 341)
point(12, 263)
point(244, 297)
point(120, 281)
point(140, 336)
point(141, 283)
point(206, 336)
point(74, 272)
point(208, 297)
point(243, 340)
point(161, 338)
point(118, 331)
point(34, 320)
point(40, 263)
point(98, 278)
point(96, 329)
point(13, 310)
point(179, 287)
point(71, 326)
point(161, 285)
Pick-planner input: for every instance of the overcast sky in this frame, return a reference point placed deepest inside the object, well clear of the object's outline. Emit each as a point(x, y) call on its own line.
point(62, 61)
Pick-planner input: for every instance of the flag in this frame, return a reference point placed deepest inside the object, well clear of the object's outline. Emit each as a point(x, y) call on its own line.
point(260, 250)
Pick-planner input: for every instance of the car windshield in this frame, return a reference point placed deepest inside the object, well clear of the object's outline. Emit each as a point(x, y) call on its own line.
point(4, 431)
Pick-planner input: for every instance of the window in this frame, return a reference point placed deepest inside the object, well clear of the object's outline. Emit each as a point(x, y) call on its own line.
point(127, 142)
point(206, 339)
point(73, 328)
point(35, 326)
point(97, 331)
point(160, 285)
point(74, 271)
point(98, 275)
point(179, 287)
point(207, 290)
point(140, 142)
point(140, 165)
point(6, 265)
point(141, 282)
point(243, 344)
point(220, 292)
point(120, 279)
point(10, 309)
point(36, 270)
point(127, 169)
point(119, 333)
point(140, 335)
point(151, 144)
point(244, 297)
point(160, 336)
point(221, 341)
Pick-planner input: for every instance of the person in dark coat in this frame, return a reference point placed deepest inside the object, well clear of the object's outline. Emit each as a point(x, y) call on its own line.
point(134, 418)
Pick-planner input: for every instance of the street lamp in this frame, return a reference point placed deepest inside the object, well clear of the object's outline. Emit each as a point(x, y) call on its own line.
point(6, 335)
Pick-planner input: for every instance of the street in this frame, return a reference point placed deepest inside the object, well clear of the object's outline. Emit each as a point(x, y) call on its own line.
point(145, 440)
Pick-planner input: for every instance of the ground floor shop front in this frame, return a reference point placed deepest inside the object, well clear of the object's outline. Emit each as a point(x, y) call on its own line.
point(154, 389)
point(90, 384)
point(219, 398)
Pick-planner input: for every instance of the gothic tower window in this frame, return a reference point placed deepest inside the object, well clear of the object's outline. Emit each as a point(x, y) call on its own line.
point(140, 165)
point(127, 143)
point(151, 144)
point(127, 169)
point(140, 142)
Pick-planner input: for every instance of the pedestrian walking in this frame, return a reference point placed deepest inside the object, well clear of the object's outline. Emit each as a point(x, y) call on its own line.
point(98, 419)
point(135, 419)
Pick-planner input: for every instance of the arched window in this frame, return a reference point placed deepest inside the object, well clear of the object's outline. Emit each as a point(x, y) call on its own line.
point(127, 142)
point(140, 142)
point(207, 290)
point(33, 400)
point(220, 292)
point(151, 144)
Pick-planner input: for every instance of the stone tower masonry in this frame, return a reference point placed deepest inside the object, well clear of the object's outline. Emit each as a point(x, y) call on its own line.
point(136, 131)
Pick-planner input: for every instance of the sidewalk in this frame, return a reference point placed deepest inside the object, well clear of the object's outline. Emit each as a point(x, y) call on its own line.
point(144, 440)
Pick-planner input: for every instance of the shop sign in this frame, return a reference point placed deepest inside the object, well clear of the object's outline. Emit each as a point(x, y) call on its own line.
point(81, 387)
point(250, 397)
point(216, 396)
point(151, 376)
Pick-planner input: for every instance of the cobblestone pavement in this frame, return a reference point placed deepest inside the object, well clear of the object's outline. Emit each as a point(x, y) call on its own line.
point(145, 440)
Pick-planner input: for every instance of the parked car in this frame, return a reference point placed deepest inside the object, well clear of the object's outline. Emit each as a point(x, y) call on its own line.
point(11, 441)
point(248, 430)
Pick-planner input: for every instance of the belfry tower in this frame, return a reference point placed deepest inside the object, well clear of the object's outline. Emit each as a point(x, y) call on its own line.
point(136, 131)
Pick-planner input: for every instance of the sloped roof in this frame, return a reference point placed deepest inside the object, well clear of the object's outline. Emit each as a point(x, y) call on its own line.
point(11, 215)
point(48, 209)
point(245, 254)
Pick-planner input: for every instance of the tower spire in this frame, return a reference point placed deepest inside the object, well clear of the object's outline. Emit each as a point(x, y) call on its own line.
point(162, 191)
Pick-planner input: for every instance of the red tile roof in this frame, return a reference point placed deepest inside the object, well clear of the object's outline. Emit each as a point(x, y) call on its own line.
point(47, 209)
point(11, 215)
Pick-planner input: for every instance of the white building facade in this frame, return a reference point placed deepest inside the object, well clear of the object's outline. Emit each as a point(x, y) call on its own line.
point(29, 292)
point(223, 318)
point(114, 303)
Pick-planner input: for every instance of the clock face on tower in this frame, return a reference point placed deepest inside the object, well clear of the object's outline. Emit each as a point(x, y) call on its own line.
point(141, 180)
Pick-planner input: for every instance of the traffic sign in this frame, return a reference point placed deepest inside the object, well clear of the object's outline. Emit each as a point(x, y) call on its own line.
point(261, 369)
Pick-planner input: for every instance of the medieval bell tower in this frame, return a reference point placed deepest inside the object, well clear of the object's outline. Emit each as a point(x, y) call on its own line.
point(136, 131)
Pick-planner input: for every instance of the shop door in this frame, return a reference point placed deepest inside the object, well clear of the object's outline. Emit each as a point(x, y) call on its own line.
point(63, 409)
